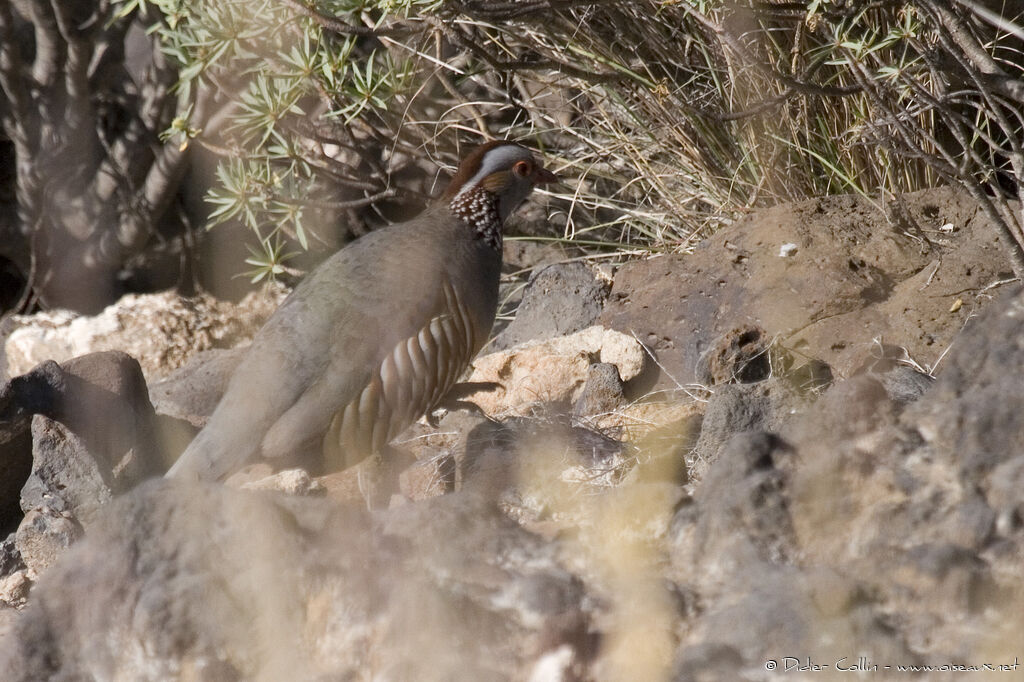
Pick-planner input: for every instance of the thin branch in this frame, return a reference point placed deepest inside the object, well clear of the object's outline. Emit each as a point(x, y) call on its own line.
point(1004, 85)
point(982, 66)
point(78, 50)
point(343, 205)
point(523, 63)
point(787, 94)
point(797, 85)
point(12, 80)
point(1007, 227)
point(503, 11)
point(996, 20)
point(49, 47)
point(335, 25)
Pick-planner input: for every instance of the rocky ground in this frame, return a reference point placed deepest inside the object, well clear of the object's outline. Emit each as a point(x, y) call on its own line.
point(795, 453)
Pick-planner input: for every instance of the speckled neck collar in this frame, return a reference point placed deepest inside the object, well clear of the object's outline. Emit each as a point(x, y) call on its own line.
point(479, 208)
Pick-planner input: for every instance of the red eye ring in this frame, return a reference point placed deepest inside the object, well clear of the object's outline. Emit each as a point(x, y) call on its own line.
point(522, 168)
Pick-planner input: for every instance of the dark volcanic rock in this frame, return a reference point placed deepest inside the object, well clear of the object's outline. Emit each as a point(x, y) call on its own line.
point(93, 436)
point(603, 392)
point(102, 398)
point(738, 408)
point(559, 299)
point(879, 526)
point(10, 559)
point(745, 498)
point(974, 414)
point(740, 355)
point(65, 477)
point(15, 466)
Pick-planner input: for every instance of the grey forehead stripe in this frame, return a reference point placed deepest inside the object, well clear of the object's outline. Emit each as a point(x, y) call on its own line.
point(496, 159)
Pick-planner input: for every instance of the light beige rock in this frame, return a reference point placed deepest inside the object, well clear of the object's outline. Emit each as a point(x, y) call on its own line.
point(636, 421)
point(44, 534)
point(554, 370)
point(162, 331)
point(290, 481)
point(14, 589)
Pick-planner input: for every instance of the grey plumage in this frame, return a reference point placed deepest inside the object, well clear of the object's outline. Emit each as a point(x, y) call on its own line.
point(375, 336)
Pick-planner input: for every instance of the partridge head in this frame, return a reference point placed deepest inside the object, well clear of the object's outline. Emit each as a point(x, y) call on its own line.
point(377, 335)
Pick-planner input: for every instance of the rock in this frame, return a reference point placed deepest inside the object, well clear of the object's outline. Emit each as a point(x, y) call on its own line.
point(533, 590)
point(708, 662)
point(907, 498)
point(803, 543)
point(10, 559)
point(14, 590)
point(740, 545)
point(560, 299)
point(853, 279)
point(671, 419)
point(15, 466)
point(573, 448)
point(738, 408)
point(851, 408)
point(210, 582)
point(603, 391)
point(741, 355)
point(552, 371)
point(102, 398)
point(533, 466)
point(521, 258)
point(93, 433)
point(289, 481)
point(778, 613)
point(65, 477)
point(905, 384)
point(902, 379)
point(92, 438)
point(192, 391)
point(66, 489)
point(974, 413)
point(428, 478)
point(852, 475)
point(43, 536)
point(744, 498)
point(162, 330)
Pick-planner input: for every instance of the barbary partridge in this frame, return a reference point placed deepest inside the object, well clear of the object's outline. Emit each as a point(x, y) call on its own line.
point(375, 336)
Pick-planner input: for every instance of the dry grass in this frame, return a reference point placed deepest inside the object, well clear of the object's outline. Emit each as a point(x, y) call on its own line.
point(668, 118)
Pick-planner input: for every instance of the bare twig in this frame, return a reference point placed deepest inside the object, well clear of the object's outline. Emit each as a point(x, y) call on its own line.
point(335, 25)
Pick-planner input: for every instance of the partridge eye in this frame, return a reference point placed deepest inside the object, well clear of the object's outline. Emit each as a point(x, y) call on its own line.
point(522, 168)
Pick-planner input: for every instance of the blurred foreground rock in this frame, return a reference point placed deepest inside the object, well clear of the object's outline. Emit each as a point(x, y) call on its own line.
point(869, 528)
point(207, 583)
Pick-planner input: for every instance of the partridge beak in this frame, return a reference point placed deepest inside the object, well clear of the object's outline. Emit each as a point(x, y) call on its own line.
point(543, 176)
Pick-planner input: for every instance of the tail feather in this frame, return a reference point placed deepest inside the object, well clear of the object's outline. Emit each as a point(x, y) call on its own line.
point(226, 443)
